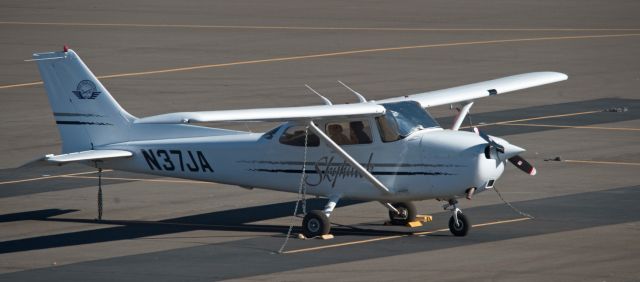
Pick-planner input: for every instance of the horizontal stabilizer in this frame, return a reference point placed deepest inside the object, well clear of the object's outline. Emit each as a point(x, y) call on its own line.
point(91, 155)
point(271, 114)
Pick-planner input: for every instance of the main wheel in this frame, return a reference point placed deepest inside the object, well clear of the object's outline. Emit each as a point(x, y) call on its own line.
point(407, 213)
point(460, 229)
point(315, 223)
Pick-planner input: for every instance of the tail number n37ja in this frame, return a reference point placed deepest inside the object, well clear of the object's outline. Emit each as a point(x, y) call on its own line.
point(172, 160)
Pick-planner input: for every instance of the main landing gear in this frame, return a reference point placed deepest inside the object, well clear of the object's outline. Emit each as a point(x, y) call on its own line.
point(458, 223)
point(316, 222)
point(406, 212)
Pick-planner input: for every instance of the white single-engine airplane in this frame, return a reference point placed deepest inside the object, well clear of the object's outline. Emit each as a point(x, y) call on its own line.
point(391, 151)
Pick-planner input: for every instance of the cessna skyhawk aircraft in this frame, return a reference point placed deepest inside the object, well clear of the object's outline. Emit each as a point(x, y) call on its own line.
point(391, 151)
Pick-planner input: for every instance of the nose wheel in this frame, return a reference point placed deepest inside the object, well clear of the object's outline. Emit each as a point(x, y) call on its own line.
point(459, 226)
point(458, 223)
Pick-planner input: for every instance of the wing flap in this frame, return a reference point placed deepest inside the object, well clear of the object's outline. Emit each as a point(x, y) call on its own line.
point(271, 114)
point(481, 89)
point(90, 155)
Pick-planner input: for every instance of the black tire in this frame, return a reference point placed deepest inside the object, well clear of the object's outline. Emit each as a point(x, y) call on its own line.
point(407, 213)
point(315, 223)
point(463, 225)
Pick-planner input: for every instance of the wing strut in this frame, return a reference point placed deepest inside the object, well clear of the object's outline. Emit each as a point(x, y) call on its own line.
point(366, 174)
point(462, 113)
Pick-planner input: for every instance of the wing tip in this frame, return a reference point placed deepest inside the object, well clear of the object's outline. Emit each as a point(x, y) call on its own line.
point(562, 76)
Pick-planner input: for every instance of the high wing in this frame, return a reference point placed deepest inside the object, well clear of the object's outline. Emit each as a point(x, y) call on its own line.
point(306, 113)
point(271, 114)
point(91, 155)
point(481, 89)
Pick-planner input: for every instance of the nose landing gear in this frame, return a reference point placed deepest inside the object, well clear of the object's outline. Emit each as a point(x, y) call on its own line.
point(458, 223)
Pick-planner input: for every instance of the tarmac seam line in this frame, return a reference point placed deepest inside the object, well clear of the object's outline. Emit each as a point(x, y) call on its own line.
point(342, 53)
point(397, 236)
point(601, 162)
point(197, 26)
point(51, 176)
point(576, 127)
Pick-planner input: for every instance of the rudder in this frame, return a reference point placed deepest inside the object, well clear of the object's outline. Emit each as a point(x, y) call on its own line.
point(85, 113)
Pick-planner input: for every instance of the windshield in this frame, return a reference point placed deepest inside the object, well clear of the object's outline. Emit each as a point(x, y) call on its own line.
point(269, 134)
point(403, 118)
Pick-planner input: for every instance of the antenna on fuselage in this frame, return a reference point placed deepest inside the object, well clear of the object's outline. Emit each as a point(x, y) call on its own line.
point(324, 99)
point(360, 97)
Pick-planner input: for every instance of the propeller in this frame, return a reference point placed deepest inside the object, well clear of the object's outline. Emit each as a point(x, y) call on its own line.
point(523, 165)
point(509, 151)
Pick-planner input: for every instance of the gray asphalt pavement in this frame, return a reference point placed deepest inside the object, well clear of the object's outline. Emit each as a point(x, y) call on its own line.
point(166, 56)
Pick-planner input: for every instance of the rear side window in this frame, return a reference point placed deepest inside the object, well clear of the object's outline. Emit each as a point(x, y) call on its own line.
point(295, 136)
point(349, 132)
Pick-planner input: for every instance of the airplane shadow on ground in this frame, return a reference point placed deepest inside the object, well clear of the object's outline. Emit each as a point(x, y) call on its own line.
point(228, 220)
point(555, 214)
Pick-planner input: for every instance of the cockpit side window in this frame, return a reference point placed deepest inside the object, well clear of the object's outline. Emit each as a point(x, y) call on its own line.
point(349, 132)
point(295, 136)
point(403, 118)
point(388, 129)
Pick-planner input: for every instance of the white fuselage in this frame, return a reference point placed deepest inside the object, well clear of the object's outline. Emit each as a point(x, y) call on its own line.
point(431, 163)
point(395, 150)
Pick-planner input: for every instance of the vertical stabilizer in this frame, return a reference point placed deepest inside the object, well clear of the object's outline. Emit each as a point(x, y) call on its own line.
point(85, 112)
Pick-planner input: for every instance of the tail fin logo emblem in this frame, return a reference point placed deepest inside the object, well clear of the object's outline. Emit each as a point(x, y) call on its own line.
point(86, 89)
